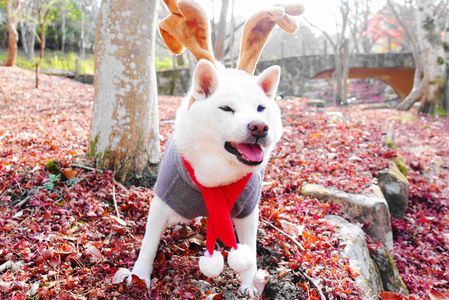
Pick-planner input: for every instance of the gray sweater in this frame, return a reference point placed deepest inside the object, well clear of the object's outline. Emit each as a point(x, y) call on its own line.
point(175, 187)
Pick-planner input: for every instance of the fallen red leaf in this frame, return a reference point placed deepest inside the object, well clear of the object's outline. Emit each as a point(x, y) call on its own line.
point(438, 295)
point(69, 173)
point(390, 296)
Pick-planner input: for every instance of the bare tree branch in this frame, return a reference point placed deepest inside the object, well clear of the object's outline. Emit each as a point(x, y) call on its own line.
point(411, 37)
point(328, 37)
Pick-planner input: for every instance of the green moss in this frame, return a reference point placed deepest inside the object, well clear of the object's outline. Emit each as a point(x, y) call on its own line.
point(400, 163)
point(53, 167)
point(446, 47)
point(439, 111)
point(102, 159)
point(92, 151)
point(441, 60)
point(399, 282)
point(389, 142)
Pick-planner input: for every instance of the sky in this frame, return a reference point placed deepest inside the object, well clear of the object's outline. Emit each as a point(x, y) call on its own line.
point(322, 13)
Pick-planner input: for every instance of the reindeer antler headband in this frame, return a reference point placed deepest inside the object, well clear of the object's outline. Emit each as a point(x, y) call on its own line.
point(188, 27)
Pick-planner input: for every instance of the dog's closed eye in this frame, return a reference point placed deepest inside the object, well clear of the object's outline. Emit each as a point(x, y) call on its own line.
point(226, 108)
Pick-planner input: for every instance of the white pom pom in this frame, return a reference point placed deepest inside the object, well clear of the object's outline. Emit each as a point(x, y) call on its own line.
point(211, 265)
point(242, 258)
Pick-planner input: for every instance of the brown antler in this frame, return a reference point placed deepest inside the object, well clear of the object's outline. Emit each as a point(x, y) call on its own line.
point(257, 29)
point(187, 26)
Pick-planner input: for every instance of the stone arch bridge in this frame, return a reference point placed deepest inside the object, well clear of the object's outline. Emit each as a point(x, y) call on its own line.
point(395, 69)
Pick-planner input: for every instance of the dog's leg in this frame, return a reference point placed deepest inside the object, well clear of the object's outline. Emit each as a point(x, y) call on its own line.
point(247, 233)
point(157, 220)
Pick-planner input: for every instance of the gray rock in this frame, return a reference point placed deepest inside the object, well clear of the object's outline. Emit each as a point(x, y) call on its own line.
point(395, 187)
point(356, 250)
point(391, 279)
point(373, 191)
point(371, 210)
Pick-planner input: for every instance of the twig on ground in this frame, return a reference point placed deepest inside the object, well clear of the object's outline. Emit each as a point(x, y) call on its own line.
point(120, 185)
point(314, 284)
point(310, 279)
point(23, 201)
point(115, 201)
point(86, 168)
point(3, 194)
point(285, 233)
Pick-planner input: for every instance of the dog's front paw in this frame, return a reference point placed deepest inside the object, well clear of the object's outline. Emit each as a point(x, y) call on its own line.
point(253, 283)
point(142, 274)
point(249, 292)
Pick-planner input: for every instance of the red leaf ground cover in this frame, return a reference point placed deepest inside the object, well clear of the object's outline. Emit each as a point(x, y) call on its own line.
point(60, 239)
point(421, 239)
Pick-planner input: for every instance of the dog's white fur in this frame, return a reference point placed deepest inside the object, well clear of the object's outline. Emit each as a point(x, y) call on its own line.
point(201, 129)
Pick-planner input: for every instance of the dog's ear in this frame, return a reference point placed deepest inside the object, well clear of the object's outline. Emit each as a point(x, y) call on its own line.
point(205, 80)
point(269, 80)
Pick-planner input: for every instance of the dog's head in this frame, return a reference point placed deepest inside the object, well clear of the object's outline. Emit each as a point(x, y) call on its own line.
point(232, 113)
point(229, 120)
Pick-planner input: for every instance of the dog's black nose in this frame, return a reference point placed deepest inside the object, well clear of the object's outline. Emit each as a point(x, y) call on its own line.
point(258, 128)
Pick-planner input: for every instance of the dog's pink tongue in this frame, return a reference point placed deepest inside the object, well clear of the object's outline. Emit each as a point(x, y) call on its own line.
point(250, 152)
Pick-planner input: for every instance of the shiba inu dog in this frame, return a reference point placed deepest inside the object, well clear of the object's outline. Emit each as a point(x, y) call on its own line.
point(225, 131)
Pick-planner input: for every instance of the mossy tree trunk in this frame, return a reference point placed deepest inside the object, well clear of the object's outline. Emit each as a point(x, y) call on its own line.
point(430, 82)
point(124, 135)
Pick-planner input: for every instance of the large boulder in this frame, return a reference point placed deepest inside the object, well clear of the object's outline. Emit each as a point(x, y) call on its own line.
point(395, 187)
point(389, 273)
point(370, 210)
point(356, 250)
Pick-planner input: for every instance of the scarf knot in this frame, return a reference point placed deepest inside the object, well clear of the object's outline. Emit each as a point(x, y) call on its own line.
point(219, 202)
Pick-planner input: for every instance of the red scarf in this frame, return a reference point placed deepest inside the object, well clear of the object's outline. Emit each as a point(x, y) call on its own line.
point(219, 203)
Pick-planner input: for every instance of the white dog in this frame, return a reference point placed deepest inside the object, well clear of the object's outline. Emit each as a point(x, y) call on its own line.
point(225, 128)
point(225, 131)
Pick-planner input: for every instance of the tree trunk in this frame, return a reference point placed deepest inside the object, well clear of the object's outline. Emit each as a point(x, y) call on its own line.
point(341, 73)
point(345, 70)
point(27, 32)
point(63, 33)
point(82, 41)
point(446, 103)
point(12, 34)
point(229, 49)
point(124, 135)
point(41, 52)
point(28, 38)
point(433, 57)
point(429, 84)
point(192, 63)
point(221, 31)
point(23, 36)
point(416, 91)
